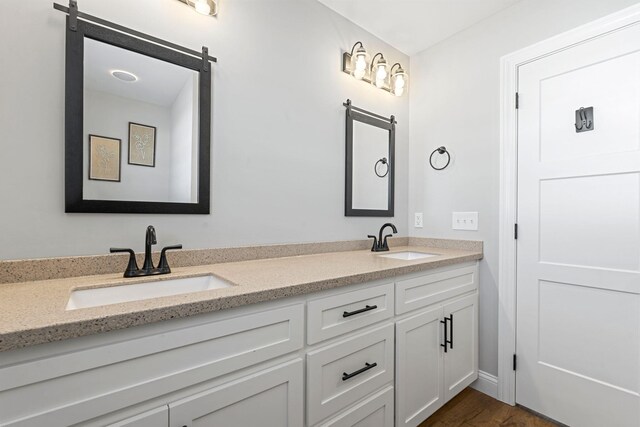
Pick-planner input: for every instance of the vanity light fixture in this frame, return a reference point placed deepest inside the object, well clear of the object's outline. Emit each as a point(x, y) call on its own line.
point(377, 72)
point(124, 76)
point(204, 7)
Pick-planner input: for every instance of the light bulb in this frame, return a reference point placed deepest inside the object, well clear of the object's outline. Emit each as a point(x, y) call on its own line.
point(398, 91)
point(399, 83)
point(381, 74)
point(360, 67)
point(360, 63)
point(203, 7)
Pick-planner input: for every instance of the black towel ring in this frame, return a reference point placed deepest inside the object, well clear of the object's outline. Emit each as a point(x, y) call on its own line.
point(384, 161)
point(440, 150)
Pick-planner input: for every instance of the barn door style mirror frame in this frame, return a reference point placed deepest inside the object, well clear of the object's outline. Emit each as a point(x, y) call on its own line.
point(370, 163)
point(115, 162)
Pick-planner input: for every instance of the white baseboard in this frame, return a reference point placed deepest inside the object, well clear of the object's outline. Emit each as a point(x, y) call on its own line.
point(487, 384)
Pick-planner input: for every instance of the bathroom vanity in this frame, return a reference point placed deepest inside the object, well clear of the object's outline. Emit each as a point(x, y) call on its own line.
point(327, 339)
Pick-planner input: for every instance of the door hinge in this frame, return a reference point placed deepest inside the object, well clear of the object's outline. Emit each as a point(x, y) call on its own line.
point(514, 361)
point(515, 231)
point(517, 100)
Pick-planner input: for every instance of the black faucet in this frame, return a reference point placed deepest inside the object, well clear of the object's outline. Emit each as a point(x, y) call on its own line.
point(147, 268)
point(380, 245)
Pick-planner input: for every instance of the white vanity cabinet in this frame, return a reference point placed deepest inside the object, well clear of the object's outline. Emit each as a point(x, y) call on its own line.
point(437, 346)
point(103, 379)
point(369, 354)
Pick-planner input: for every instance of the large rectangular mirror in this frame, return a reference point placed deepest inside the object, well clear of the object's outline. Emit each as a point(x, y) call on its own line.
point(370, 159)
point(137, 125)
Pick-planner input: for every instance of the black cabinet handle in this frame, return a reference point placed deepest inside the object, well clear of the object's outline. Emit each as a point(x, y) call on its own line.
point(451, 332)
point(362, 310)
point(446, 333)
point(367, 366)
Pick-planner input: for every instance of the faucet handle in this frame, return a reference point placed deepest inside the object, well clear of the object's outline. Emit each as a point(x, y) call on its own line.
point(132, 267)
point(375, 242)
point(163, 265)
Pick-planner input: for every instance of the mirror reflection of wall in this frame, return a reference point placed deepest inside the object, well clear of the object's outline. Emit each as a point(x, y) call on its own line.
point(370, 145)
point(159, 150)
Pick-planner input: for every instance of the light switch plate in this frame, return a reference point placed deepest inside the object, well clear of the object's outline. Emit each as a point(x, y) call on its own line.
point(417, 223)
point(465, 221)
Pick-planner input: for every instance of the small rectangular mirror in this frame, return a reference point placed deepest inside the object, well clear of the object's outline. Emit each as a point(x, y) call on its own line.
point(137, 125)
point(370, 156)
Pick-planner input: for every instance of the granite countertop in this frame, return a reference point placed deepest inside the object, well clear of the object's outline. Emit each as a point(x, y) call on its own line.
point(34, 312)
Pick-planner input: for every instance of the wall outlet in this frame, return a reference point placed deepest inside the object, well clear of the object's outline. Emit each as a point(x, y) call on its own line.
point(465, 221)
point(417, 223)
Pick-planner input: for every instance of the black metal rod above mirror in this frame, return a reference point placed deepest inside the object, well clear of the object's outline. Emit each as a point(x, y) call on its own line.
point(370, 143)
point(134, 93)
point(74, 14)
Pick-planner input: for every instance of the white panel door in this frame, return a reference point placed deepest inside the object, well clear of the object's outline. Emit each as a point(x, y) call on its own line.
point(273, 397)
point(419, 370)
point(578, 268)
point(461, 358)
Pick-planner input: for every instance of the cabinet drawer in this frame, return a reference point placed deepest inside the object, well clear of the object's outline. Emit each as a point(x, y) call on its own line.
point(338, 314)
point(429, 289)
point(376, 411)
point(345, 372)
point(272, 397)
point(158, 417)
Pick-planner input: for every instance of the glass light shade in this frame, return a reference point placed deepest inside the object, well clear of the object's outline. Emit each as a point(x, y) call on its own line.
point(360, 63)
point(398, 81)
point(203, 7)
point(381, 73)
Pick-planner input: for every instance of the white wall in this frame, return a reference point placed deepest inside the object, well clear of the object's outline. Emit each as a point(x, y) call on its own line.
point(455, 87)
point(109, 115)
point(184, 140)
point(278, 127)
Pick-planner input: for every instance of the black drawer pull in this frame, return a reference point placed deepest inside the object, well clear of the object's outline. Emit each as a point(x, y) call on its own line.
point(362, 310)
point(367, 366)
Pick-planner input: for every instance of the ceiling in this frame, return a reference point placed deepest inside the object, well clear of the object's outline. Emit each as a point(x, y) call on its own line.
point(158, 82)
point(414, 25)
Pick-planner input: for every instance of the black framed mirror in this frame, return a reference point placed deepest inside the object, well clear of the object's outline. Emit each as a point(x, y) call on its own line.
point(370, 163)
point(137, 122)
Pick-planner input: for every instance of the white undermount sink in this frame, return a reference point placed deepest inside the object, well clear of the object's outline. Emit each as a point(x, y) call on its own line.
point(407, 256)
point(83, 298)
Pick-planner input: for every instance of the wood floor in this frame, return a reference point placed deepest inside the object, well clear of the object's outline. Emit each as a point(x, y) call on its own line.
point(472, 408)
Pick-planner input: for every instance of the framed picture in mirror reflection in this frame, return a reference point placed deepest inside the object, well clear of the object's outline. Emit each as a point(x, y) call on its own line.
point(142, 145)
point(104, 158)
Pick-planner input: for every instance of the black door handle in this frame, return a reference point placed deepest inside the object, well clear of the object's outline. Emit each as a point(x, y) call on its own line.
point(445, 323)
point(362, 310)
point(367, 366)
point(451, 332)
point(448, 332)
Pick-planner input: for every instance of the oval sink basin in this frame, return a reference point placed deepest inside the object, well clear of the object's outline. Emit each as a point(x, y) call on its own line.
point(407, 256)
point(83, 298)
